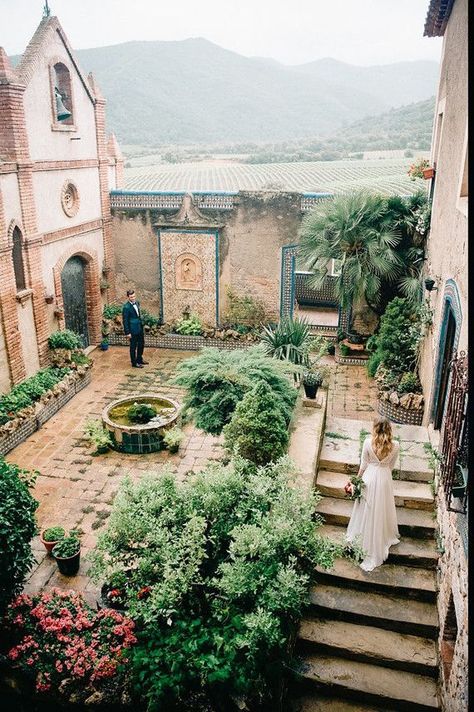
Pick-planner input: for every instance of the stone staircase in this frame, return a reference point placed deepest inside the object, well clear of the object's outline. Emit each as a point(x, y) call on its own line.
point(368, 642)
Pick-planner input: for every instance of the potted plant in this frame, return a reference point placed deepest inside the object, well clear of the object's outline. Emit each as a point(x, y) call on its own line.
point(51, 536)
point(67, 553)
point(311, 382)
point(428, 173)
point(113, 592)
point(173, 438)
point(418, 168)
point(460, 482)
point(104, 344)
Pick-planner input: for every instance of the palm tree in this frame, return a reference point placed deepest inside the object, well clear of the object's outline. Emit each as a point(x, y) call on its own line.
point(352, 229)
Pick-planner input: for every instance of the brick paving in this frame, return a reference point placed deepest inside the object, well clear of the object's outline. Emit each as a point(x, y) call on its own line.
point(75, 489)
point(352, 394)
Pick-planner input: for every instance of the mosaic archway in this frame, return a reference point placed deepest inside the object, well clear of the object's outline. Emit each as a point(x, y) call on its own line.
point(451, 311)
point(288, 287)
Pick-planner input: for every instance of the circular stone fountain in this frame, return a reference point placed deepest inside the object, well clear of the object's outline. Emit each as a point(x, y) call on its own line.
point(140, 438)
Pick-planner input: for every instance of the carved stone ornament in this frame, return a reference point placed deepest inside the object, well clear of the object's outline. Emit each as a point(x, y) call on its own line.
point(188, 216)
point(70, 199)
point(188, 272)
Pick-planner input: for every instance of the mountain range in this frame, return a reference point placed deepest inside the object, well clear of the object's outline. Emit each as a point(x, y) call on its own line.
point(193, 91)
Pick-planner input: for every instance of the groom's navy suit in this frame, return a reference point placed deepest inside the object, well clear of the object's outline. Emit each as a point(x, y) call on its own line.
point(133, 325)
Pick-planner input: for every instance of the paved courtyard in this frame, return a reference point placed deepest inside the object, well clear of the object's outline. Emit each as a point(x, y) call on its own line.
point(75, 489)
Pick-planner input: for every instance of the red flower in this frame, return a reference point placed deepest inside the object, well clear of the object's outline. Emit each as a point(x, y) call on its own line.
point(144, 592)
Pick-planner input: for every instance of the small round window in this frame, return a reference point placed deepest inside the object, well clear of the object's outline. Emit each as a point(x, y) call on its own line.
point(70, 199)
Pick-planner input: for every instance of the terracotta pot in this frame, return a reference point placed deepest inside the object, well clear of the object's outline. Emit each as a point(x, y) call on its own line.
point(428, 173)
point(48, 545)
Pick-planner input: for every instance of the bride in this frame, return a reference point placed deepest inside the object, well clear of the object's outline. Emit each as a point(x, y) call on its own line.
point(373, 522)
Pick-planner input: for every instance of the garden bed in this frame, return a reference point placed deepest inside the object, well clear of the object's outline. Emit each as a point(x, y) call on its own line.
point(180, 342)
point(30, 419)
point(398, 414)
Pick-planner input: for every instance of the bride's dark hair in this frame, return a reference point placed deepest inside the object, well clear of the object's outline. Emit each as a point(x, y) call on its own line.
point(382, 437)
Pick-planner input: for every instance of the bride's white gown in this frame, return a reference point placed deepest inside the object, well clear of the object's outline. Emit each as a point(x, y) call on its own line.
point(373, 523)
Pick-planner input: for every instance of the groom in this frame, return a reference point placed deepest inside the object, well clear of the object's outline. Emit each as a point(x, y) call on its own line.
point(133, 328)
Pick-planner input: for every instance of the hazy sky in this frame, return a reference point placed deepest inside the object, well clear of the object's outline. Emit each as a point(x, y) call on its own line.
point(355, 31)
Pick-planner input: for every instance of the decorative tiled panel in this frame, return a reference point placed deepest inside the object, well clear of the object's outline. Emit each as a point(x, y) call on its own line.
point(145, 201)
point(309, 296)
point(213, 201)
point(309, 200)
point(202, 246)
point(396, 414)
point(287, 292)
point(179, 342)
point(12, 440)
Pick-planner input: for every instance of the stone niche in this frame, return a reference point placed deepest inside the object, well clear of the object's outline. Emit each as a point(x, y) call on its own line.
point(188, 274)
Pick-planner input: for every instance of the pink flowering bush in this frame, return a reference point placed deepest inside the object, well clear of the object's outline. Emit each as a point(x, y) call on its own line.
point(64, 639)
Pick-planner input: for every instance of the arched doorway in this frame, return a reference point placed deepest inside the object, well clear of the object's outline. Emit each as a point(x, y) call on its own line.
point(73, 288)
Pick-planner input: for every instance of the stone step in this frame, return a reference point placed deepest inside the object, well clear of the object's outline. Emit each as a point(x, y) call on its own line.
point(369, 644)
point(324, 703)
point(341, 448)
point(411, 522)
point(384, 610)
point(409, 552)
point(393, 579)
point(389, 689)
point(413, 495)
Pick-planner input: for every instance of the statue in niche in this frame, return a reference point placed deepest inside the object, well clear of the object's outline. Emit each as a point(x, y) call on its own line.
point(188, 272)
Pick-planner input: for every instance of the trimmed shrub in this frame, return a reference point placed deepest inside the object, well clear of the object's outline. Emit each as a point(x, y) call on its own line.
point(17, 527)
point(258, 430)
point(217, 380)
point(397, 343)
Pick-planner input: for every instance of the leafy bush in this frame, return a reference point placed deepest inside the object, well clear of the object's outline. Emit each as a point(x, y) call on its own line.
point(226, 559)
point(53, 534)
point(244, 310)
point(397, 343)
point(344, 349)
point(26, 393)
point(98, 435)
point(258, 430)
point(409, 383)
point(141, 412)
point(111, 311)
point(290, 340)
point(17, 527)
point(65, 339)
point(173, 438)
point(191, 326)
point(217, 380)
point(149, 319)
point(66, 547)
point(68, 646)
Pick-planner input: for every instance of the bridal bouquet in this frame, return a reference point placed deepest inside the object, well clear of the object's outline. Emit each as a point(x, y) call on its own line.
point(353, 488)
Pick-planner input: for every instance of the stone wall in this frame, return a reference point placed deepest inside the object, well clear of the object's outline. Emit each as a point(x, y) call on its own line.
point(250, 240)
point(453, 590)
point(449, 210)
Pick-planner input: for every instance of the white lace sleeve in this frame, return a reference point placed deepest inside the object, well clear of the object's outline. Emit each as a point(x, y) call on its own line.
point(394, 459)
point(364, 460)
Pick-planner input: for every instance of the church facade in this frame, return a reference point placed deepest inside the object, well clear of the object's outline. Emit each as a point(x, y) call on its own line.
point(57, 167)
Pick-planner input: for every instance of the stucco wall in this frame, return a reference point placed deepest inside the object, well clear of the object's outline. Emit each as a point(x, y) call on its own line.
point(250, 240)
point(48, 186)
point(44, 143)
point(90, 242)
point(11, 198)
point(447, 244)
point(136, 258)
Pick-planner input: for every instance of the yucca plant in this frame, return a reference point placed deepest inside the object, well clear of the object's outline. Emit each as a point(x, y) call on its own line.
point(290, 340)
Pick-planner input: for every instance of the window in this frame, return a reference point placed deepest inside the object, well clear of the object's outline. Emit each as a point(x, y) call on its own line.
point(463, 181)
point(18, 261)
point(62, 95)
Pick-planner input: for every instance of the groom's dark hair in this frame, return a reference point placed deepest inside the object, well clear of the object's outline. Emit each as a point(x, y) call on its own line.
point(130, 292)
